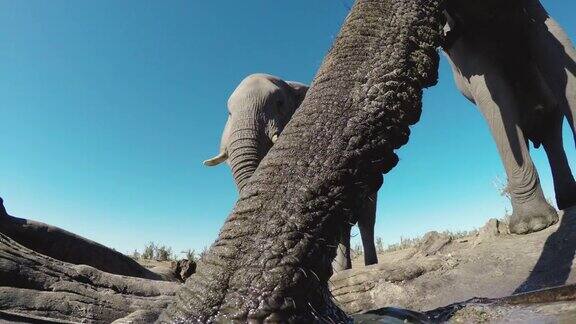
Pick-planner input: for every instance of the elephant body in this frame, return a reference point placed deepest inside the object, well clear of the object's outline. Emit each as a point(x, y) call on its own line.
point(259, 109)
point(518, 66)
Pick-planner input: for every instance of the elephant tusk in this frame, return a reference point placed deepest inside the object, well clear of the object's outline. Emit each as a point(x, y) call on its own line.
point(274, 138)
point(217, 159)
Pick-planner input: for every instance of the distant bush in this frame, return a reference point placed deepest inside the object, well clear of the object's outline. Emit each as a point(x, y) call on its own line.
point(356, 251)
point(163, 253)
point(503, 188)
point(406, 243)
point(149, 251)
point(203, 253)
point(152, 251)
point(136, 255)
point(190, 255)
point(379, 245)
point(460, 234)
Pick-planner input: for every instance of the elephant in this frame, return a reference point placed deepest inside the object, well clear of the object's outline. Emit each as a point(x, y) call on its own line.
point(519, 67)
point(272, 259)
point(259, 109)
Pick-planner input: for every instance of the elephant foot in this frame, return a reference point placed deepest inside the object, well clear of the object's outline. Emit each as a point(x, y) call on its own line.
point(370, 258)
point(532, 216)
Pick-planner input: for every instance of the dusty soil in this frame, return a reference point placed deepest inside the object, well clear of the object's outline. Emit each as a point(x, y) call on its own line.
point(492, 264)
point(150, 264)
point(169, 270)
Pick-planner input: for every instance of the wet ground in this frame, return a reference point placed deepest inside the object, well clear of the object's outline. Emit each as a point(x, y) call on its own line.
point(554, 305)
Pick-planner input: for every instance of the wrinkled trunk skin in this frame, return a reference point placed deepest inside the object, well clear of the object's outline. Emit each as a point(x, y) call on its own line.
point(244, 147)
point(272, 259)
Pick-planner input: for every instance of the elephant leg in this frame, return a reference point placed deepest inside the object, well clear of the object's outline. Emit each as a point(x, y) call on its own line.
point(564, 184)
point(343, 261)
point(495, 98)
point(566, 54)
point(366, 222)
point(556, 57)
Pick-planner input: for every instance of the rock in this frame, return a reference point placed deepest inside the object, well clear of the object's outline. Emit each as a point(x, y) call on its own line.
point(433, 242)
point(166, 272)
point(503, 228)
point(68, 247)
point(176, 271)
point(381, 284)
point(491, 229)
point(35, 286)
point(185, 268)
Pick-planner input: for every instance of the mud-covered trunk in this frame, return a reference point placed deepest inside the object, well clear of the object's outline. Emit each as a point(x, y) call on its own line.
point(273, 256)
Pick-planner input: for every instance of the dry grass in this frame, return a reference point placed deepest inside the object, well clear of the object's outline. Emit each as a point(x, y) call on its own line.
point(406, 243)
point(152, 251)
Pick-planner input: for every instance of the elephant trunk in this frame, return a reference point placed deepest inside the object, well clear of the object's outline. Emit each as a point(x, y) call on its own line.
point(244, 150)
point(272, 259)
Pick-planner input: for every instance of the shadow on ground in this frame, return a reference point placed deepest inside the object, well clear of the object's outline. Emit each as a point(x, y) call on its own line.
point(555, 262)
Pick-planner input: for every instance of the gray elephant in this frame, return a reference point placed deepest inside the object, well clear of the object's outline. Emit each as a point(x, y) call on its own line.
point(259, 109)
point(518, 66)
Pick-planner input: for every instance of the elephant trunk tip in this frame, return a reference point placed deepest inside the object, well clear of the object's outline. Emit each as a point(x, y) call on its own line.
point(223, 156)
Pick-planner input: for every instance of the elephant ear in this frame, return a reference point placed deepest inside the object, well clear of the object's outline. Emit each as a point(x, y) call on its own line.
point(299, 90)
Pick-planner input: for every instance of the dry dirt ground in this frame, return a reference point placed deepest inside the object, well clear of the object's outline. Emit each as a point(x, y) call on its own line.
point(493, 264)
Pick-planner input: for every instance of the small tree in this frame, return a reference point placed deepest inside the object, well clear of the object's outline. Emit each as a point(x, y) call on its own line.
point(149, 251)
point(203, 253)
point(379, 245)
point(136, 255)
point(190, 255)
point(163, 253)
point(503, 186)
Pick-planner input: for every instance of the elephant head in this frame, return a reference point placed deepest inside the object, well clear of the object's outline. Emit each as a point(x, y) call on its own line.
point(258, 110)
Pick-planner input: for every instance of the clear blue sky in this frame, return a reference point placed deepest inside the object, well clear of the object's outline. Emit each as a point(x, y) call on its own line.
point(107, 109)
